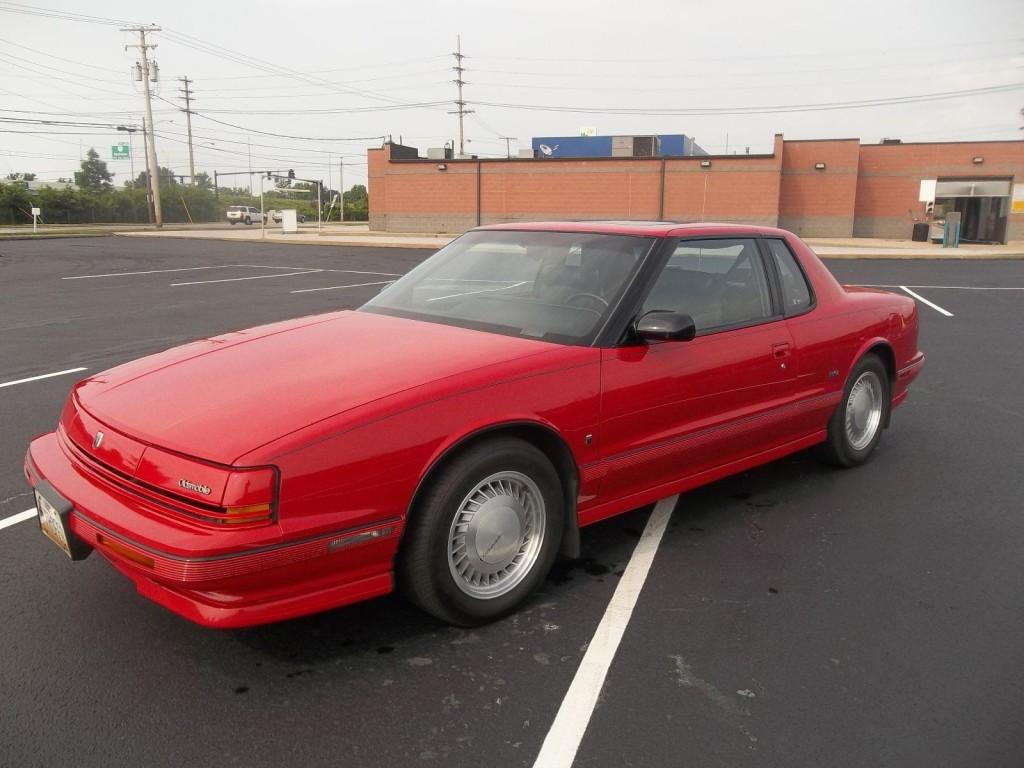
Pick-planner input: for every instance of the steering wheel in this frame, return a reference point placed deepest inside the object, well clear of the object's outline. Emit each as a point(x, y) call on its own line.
point(594, 296)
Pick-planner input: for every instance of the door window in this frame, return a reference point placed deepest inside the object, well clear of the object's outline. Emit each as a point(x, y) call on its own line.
point(719, 283)
point(796, 296)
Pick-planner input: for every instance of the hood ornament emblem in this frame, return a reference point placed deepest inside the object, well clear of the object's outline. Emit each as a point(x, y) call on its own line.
point(97, 440)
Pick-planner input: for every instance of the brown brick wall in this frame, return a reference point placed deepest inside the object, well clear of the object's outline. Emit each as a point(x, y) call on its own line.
point(868, 190)
point(819, 203)
point(889, 179)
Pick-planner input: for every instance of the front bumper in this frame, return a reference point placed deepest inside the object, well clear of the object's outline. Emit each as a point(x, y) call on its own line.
point(217, 578)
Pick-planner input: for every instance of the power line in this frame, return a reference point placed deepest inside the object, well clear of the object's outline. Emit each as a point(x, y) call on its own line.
point(49, 13)
point(755, 57)
point(286, 136)
point(762, 110)
point(260, 64)
point(61, 58)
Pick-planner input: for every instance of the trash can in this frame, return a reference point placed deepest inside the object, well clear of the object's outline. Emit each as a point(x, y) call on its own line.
point(920, 232)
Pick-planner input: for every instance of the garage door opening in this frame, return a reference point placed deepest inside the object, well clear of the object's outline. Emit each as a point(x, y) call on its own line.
point(983, 205)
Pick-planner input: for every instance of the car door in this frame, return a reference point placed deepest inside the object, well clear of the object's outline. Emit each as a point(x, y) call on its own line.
point(674, 409)
point(817, 379)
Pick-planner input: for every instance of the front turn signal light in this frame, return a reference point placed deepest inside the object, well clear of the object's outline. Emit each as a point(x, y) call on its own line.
point(251, 513)
point(250, 496)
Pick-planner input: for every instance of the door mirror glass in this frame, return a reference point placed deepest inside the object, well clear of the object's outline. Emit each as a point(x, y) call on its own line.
point(660, 325)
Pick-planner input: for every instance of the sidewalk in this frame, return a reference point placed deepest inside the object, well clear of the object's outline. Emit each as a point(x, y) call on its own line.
point(360, 235)
point(330, 234)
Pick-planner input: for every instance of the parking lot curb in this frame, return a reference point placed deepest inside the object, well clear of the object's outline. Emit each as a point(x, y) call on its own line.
point(326, 240)
point(54, 235)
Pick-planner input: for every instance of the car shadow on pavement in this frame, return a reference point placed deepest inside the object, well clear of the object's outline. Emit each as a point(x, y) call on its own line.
point(578, 588)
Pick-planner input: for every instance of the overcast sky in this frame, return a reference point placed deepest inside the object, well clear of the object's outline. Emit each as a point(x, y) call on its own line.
point(648, 55)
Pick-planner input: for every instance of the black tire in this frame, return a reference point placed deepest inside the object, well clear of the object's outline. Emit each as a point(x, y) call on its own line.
point(248, 220)
point(232, 222)
point(424, 573)
point(839, 449)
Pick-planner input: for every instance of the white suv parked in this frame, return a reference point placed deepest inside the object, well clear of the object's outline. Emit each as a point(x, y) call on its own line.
point(245, 213)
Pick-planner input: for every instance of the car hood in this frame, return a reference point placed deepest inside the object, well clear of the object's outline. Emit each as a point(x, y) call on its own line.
point(220, 398)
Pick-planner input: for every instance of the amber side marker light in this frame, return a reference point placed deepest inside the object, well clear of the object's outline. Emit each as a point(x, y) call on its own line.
point(125, 552)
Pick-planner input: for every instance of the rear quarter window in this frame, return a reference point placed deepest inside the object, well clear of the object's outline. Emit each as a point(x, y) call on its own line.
point(796, 293)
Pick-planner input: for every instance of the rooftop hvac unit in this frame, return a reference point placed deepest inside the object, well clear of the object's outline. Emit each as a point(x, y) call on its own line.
point(622, 146)
point(439, 153)
point(526, 152)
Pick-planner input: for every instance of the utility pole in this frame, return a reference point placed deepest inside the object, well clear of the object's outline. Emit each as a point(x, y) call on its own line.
point(187, 92)
point(149, 73)
point(149, 173)
point(508, 146)
point(341, 187)
point(460, 104)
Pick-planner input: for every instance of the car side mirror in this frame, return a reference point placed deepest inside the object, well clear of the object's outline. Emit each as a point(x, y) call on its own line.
point(660, 325)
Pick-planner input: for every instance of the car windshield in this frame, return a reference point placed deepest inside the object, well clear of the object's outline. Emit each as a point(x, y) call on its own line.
point(556, 286)
point(237, 208)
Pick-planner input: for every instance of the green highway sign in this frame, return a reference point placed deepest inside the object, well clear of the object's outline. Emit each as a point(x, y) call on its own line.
point(119, 152)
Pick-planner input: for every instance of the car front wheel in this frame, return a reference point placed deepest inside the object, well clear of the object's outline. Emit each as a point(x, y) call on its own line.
point(856, 426)
point(484, 533)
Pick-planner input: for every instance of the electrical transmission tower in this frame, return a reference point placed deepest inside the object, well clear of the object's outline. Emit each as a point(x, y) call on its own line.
point(187, 93)
point(149, 72)
point(460, 104)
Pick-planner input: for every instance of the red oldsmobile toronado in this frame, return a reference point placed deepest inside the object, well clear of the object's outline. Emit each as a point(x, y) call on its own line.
point(453, 434)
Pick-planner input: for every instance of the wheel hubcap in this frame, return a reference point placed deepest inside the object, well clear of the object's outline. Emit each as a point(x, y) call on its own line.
point(496, 535)
point(864, 410)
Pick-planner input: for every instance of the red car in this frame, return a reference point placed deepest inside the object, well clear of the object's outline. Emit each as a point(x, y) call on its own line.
point(454, 433)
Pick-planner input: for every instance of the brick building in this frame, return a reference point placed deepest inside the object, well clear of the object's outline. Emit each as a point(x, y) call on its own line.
point(816, 188)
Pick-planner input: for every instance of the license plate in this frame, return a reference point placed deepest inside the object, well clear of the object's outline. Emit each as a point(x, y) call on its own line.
point(52, 524)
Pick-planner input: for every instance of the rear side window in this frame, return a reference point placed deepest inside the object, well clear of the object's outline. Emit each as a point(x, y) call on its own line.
point(720, 283)
point(796, 295)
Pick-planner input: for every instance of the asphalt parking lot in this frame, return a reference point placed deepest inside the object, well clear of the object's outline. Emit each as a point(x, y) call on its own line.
point(795, 615)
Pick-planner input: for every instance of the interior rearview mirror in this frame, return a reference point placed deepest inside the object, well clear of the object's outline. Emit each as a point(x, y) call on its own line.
point(661, 325)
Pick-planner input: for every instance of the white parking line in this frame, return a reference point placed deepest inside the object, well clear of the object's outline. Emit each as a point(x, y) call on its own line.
point(923, 300)
point(251, 277)
point(337, 287)
point(180, 269)
point(322, 269)
point(145, 272)
point(948, 287)
point(21, 517)
point(563, 740)
point(44, 376)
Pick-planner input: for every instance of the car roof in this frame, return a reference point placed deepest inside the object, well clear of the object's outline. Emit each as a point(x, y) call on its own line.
point(640, 228)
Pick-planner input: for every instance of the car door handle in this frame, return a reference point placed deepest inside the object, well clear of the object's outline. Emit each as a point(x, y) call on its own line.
point(781, 350)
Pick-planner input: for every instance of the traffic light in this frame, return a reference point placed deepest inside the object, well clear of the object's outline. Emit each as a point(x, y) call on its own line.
point(929, 207)
point(291, 174)
point(269, 175)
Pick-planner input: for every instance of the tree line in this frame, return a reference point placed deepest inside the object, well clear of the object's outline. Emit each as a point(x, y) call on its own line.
point(94, 198)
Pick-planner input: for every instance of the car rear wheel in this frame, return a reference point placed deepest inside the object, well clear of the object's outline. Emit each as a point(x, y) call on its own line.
point(248, 220)
point(856, 426)
point(484, 533)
